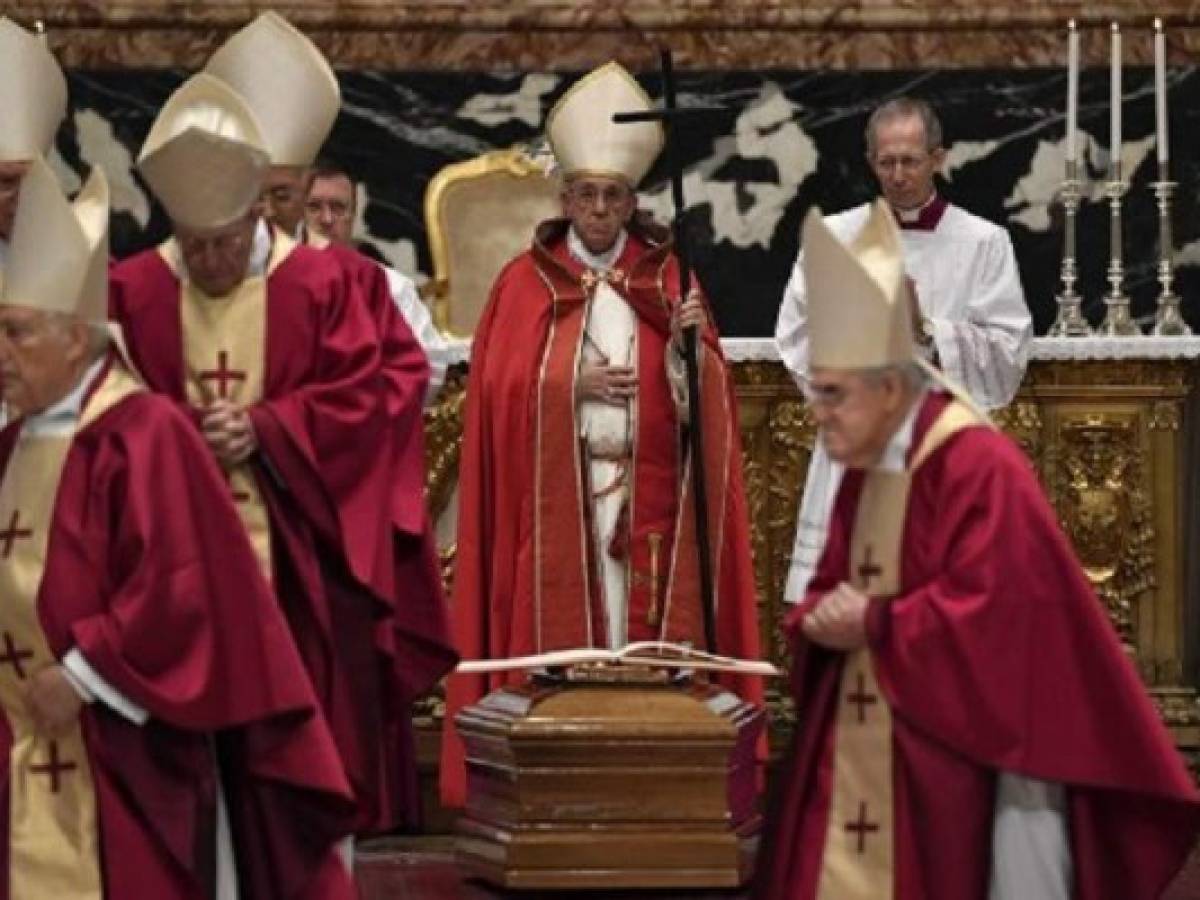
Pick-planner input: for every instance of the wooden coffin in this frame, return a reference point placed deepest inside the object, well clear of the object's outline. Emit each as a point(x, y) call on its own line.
point(610, 785)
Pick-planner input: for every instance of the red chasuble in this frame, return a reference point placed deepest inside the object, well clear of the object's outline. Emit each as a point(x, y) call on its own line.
point(525, 574)
point(147, 574)
point(995, 655)
point(320, 425)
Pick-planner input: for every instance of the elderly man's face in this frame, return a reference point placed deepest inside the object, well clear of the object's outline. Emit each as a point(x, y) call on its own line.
point(856, 413)
point(329, 207)
point(283, 193)
point(598, 207)
point(903, 163)
point(41, 357)
point(217, 261)
point(11, 174)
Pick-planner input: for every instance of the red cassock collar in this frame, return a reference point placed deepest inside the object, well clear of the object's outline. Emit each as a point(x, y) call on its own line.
point(928, 218)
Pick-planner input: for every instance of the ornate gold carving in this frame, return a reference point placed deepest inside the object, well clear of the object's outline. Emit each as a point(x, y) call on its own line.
point(443, 433)
point(1098, 485)
point(1178, 706)
point(1095, 438)
point(503, 183)
point(1165, 416)
point(1022, 421)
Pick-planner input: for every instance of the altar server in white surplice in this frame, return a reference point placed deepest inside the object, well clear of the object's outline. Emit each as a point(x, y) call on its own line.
point(971, 317)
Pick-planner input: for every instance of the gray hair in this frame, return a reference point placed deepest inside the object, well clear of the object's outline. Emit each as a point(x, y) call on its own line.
point(905, 108)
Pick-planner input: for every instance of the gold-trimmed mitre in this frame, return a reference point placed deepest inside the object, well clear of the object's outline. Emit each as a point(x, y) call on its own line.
point(858, 312)
point(33, 94)
point(585, 139)
point(58, 253)
point(287, 83)
point(204, 157)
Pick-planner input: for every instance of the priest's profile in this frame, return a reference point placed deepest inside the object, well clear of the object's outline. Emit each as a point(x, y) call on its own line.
point(576, 516)
point(969, 727)
point(160, 734)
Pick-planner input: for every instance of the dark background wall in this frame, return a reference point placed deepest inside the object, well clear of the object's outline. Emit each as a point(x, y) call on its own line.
point(791, 140)
point(427, 84)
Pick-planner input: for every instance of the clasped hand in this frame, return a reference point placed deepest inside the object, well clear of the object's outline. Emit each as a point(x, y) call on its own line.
point(229, 433)
point(839, 620)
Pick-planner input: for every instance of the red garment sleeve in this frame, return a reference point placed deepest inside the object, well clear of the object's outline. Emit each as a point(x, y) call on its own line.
point(322, 440)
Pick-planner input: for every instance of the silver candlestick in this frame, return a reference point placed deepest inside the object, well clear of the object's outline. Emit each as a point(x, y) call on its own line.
point(1167, 321)
point(1117, 321)
point(1070, 321)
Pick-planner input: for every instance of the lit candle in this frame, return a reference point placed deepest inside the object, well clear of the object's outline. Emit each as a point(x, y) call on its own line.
point(1114, 143)
point(1160, 89)
point(1072, 92)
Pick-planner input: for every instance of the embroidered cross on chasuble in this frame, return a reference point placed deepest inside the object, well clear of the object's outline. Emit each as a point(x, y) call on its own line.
point(224, 348)
point(53, 837)
point(858, 862)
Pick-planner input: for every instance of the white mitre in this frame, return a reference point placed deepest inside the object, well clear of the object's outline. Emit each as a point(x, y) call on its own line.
point(205, 158)
point(585, 139)
point(286, 82)
point(58, 253)
point(858, 313)
point(33, 94)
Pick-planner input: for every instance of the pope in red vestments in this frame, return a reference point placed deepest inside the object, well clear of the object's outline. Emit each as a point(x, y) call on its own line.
point(277, 358)
point(575, 517)
point(157, 719)
point(937, 668)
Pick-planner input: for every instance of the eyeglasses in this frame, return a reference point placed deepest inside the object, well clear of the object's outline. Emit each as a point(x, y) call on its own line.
point(904, 163)
point(829, 396)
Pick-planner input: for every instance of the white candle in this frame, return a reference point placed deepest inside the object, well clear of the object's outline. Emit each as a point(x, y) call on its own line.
point(1072, 92)
point(1114, 143)
point(1160, 89)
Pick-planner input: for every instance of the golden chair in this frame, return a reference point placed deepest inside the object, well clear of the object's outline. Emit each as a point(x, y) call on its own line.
point(479, 214)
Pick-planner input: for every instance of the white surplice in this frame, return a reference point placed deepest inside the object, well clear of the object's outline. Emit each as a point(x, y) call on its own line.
point(416, 314)
point(607, 429)
point(969, 288)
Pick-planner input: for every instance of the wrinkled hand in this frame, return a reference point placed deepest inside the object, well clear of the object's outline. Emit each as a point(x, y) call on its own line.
point(229, 433)
point(52, 702)
point(685, 315)
point(839, 620)
point(605, 384)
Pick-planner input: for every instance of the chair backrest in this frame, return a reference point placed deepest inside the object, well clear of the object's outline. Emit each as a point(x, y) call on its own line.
point(479, 214)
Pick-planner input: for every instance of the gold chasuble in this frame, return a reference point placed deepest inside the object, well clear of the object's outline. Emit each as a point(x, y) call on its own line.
point(53, 833)
point(225, 348)
point(858, 862)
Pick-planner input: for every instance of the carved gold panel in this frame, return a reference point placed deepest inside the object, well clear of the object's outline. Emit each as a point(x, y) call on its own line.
point(1107, 439)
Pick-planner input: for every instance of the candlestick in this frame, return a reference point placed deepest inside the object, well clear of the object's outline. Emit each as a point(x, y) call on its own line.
point(1167, 321)
point(1117, 321)
point(1070, 321)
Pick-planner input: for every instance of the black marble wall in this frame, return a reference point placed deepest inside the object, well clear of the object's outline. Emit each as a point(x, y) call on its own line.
point(793, 140)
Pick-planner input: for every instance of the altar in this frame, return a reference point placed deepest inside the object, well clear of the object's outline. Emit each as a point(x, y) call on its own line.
point(1111, 426)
